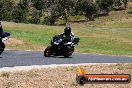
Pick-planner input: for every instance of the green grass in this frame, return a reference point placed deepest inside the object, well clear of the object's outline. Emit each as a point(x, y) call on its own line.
point(110, 41)
point(106, 35)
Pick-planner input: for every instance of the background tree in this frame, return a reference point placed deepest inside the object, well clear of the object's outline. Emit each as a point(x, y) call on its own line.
point(53, 15)
point(20, 12)
point(50, 11)
point(34, 16)
point(42, 5)
point(6, 7)
point(125, 3)
point(120, 4)
point(105, 5)
point(88, 7)
point(65, 6)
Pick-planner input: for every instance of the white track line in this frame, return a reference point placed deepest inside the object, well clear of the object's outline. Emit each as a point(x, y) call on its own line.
point(27, 68)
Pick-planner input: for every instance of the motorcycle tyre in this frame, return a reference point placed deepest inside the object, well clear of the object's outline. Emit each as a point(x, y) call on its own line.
point(48, 52)
point(2, 47)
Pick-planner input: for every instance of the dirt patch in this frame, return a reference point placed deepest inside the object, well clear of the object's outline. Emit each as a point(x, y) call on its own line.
point(14, 42)
point(62, 77)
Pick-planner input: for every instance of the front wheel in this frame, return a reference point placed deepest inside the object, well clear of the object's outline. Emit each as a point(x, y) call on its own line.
point(2, 47)
point(68, 53)
point(48, 52)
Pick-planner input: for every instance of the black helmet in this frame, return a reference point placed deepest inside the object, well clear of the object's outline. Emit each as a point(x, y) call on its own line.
point(67, 30)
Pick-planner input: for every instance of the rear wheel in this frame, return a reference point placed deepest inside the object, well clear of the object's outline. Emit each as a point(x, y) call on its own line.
point(48, 52)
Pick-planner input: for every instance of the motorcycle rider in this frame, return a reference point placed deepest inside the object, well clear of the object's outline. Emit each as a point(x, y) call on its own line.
point(62, 44)
point(67, 35)
point(1, 29)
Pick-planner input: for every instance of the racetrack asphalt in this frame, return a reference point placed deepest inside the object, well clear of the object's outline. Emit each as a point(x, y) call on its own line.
point(12, 58)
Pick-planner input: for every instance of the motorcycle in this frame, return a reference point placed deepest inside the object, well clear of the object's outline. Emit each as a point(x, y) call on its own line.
point(60, 47)
point(4, 36)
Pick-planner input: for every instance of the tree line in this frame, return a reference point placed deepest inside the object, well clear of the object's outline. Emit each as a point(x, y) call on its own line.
point(49, 11)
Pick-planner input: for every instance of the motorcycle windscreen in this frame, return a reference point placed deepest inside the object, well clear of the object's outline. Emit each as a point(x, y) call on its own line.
point(57, 39)
point(5, 34)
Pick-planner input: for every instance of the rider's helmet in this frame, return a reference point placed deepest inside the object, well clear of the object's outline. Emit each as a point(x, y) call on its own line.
point(67, 30)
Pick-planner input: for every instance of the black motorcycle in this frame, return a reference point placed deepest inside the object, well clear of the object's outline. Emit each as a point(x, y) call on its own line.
point(60, 47)
point(5, 36)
